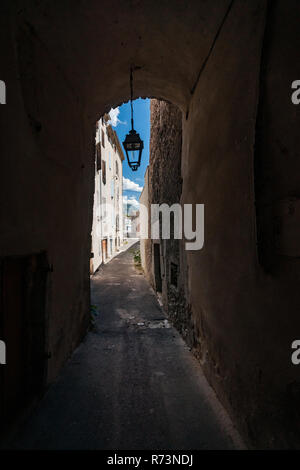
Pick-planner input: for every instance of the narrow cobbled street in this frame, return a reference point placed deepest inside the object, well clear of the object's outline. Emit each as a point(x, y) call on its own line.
point(132, 383)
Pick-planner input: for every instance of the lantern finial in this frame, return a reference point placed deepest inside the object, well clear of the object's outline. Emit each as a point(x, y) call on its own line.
point(133, 144)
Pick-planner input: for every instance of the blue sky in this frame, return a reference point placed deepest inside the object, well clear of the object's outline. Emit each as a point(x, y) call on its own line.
point(121, 122)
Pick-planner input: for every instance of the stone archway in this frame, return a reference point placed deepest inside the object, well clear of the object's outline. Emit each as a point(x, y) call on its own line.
point(64, 65)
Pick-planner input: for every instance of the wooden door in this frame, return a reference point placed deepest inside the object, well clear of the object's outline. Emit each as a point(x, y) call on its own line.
point(23, 329)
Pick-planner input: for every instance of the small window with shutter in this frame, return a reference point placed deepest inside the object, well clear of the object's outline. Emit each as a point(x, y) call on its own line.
point(103, 165)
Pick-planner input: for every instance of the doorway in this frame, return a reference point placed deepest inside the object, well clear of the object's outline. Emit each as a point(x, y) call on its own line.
point(23, 329)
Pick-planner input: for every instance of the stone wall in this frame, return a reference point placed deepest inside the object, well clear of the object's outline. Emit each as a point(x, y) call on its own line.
point(165, 186)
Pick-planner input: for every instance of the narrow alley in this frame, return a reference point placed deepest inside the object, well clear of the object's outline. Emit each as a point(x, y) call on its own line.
point(132, 383)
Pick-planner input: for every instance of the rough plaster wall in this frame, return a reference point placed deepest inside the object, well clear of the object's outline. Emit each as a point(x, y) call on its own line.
point(245, 319)
point(145, 242)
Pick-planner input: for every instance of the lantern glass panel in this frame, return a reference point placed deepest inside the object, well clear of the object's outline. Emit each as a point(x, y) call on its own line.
point(133, 146)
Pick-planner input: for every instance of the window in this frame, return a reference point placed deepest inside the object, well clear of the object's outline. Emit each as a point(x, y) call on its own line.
point(103, 165)
point(103, 138)
point(117, 168)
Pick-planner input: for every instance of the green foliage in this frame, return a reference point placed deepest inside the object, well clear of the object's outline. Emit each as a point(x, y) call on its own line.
point(93, 314)
point(137, 257)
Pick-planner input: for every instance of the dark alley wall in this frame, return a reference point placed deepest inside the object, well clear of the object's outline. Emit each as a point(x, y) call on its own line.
point(47, 183)
point(245, 316)
point(228, 66)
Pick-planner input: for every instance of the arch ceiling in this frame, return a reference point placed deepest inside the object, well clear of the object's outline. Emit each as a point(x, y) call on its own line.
point(94, 43)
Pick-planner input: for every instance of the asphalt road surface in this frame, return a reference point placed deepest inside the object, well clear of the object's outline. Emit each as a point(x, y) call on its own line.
point(132, 384)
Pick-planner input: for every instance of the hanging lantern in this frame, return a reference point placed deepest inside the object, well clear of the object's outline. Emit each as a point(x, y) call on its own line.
point(133, 144)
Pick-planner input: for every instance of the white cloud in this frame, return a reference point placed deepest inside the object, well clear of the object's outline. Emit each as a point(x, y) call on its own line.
point(114, 120)
point(129, 185)
point(132, 201)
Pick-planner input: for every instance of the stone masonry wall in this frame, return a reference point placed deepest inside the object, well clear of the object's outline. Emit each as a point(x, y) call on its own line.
point(165, 185)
